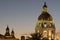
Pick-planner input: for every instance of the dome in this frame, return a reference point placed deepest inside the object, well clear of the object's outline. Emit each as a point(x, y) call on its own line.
point(45, 16)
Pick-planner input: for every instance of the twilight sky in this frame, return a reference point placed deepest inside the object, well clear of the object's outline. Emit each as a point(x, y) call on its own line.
point(21, 15)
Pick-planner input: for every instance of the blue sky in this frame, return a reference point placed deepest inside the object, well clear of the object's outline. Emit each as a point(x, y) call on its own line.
point(21, 15)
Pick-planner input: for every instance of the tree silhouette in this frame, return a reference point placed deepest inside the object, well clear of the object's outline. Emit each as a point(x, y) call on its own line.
point(36, 36)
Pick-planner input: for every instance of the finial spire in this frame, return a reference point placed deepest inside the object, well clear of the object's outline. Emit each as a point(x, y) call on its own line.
point(45, 8)
point(44, 3)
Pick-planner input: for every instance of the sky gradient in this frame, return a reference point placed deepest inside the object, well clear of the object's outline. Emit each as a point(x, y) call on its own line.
point(21, 15)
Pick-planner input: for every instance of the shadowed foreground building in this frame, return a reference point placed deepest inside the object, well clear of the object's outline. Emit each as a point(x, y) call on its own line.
point(7, 35)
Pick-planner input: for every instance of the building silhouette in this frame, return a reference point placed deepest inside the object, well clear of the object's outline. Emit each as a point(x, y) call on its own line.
point(7, 35)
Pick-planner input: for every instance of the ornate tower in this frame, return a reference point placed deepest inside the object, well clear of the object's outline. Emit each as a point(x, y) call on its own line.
point(12, 34)
point(7, 32)
point(45, 25)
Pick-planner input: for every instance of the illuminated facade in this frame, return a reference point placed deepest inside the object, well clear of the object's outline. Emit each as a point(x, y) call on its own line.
point(45, 25)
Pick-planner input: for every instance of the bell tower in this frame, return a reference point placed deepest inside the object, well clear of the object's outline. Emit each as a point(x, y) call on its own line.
point(7, 34)
point(12, 34)
point(45, 25)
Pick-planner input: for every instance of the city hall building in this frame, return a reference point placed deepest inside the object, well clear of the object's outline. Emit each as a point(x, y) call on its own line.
point(45, 25)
